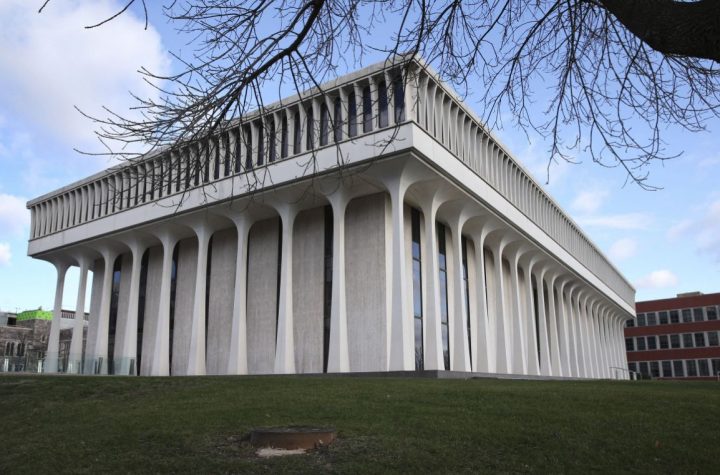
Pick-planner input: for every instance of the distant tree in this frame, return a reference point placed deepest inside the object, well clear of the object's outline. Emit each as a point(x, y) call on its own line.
point(616, 72)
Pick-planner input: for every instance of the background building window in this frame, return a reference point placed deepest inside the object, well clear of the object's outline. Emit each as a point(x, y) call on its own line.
point(663, 341)
point(711, 313)
point(629, 323)
point(651, 319)
point(641, 320)
point(698, 315)
point(655, 369)
point(651, 343)
point(667, 369)
point(686, 315)
point(640, 343)
point(663, 318)
point(712, 338)
point(674, 316)
point(629, 344)
point(687, 340)
point(675, 341)
point(703, 367)
point(699, 340)
point(691, 367)
point(679, 369)
point(644, 369)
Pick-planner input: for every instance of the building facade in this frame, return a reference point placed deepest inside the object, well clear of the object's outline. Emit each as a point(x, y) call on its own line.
point(372, 224)
point(675, 338)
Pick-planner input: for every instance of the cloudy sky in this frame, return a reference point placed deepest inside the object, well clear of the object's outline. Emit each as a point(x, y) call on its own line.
point(664, 242)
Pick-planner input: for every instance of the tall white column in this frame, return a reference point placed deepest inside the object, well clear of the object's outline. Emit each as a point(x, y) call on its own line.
point(514, 320)
point(126, 362)
point(555, 324)
point(503, 353)
point(460, 356)
point(76, 343)
point(546, 368)
point(595, 340)
point(401, 352)
point(160, 364)
point(563, 317)
point(484, 342)
point(433, 358)
point(196, 354)
point(338, 353)
point(237, 361)
point(97, 363)
point(53, 350)
point(285, 345)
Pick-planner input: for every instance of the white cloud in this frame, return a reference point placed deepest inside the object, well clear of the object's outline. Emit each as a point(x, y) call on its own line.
point(617, 221)
point(657, 280)
point(5, 254)
point(14, 216)
point(703, 231)
point(589, 201)
point(623, 249)
point(50, 63)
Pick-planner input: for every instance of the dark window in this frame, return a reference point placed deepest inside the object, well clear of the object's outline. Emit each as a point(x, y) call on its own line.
point(687, 340)
point(678, 369)
point(297, 134)
point(324, 124)
point(711, 313)
point(352, 115)
point(629, 323)
point(655, 369)
point(238, 150)
point(261, 143)
point(703, 368)
point(699, 340)
point(327, 317)
point(399, 99)
point(248, 148)
point(442, 261)
point(284, 147)
point(632, 367)
point(629, 345)
point(716, 367)
point(641, 320)
point(675, 341)
point(640, 343)
point(367, 110)
point(667, 369)
point(651, 343)
point(691, 367)
point(663, 317)
point(417, 289)
point(310, 124)
point(663, 341)
point(712, 338)
point(272, 141)
point(382, 105)
point(651, 319)
point(644, 369)
point(226, 151)
point(337, 120)
point(189, 172)
point(674, 316)
point(686, 315)
point(216, 158)
point(698, 315)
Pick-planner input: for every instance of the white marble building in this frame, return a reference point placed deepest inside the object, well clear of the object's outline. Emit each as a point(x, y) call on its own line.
point(376, 227)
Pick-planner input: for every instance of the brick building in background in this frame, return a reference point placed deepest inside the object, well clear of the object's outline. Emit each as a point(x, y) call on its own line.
point(675, 338)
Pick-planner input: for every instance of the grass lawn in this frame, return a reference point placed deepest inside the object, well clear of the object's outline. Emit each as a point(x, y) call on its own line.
point(116, 424)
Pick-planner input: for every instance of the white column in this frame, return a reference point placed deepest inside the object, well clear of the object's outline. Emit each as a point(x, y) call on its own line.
point(546, 367)
point(503, 354)
point(97, 363)
point(554, 323)
point(595, 340)
point(196, 355)
point(160, 365)
point(605, 362)
point(485, 336)
point(563, 317)
point(338, 356)
point(401, 352)
point(127, 354)
point(237, 362)
point(514, 320)
point(76, 343)
point(285, 345)
point(460, 357)
point(53, 350)
point(433, 358)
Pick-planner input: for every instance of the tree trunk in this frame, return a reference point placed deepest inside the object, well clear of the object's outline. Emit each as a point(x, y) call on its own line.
point(671, 27)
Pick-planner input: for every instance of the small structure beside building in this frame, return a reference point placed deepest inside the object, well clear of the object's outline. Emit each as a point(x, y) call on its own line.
point(675, 338)
point(24, 337)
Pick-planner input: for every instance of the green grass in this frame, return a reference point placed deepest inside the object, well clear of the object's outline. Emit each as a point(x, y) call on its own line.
point(114, 424)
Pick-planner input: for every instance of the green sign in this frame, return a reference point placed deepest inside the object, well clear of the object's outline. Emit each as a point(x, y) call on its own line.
point(34, 315)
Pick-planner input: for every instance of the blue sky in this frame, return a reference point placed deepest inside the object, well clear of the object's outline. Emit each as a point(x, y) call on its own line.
point(664, 242)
